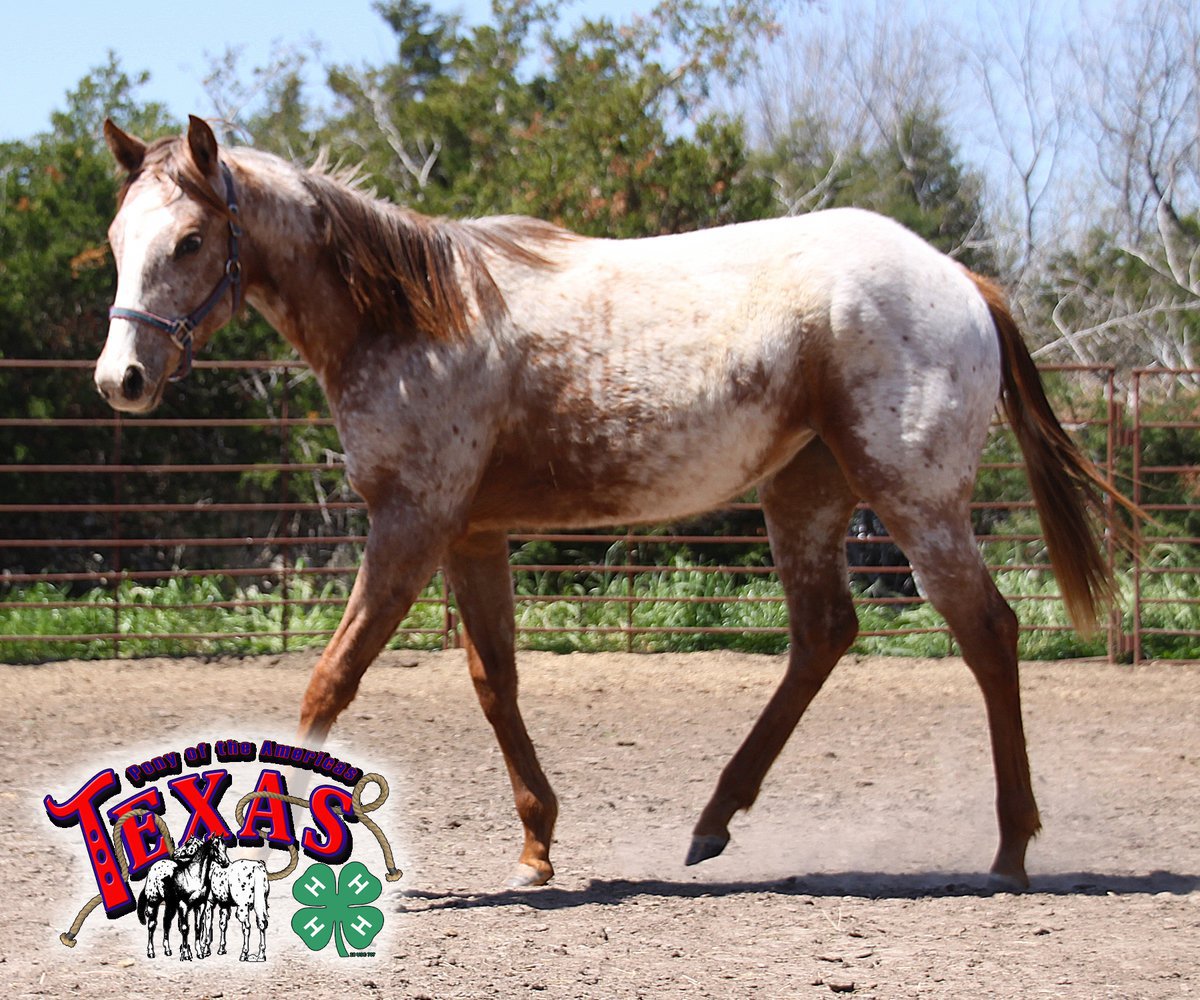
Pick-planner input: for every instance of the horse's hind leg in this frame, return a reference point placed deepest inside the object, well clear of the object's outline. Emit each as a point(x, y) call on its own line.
point(260, 918)
point(940, 544)
point(151, 926)
point(479, 575)
point(168, 916)
point(243, 918)
point(807, 507)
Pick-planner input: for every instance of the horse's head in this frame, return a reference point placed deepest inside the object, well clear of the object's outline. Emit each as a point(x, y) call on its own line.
point(218, 852)
point(175, 243)
point(186, 851)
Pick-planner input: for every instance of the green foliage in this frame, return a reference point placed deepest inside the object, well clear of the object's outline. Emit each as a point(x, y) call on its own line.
point(1121, 302)
point(670, 609)
point(188, 617)
point(519, 117)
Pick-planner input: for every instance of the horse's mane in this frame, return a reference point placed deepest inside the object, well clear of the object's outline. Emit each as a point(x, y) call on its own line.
point(407, 269)
point(403, 269)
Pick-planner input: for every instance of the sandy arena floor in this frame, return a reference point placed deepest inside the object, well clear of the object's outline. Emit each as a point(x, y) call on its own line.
point(861, 870)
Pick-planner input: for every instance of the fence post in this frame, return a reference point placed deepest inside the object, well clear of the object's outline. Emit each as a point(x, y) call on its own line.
point(118, 493)
point(285, 529)
point(450, 638)
point(1137, 525)
point(1113, 436)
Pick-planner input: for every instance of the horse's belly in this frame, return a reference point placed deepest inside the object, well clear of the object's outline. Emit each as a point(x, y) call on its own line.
point(649, 475)
point(692, 476)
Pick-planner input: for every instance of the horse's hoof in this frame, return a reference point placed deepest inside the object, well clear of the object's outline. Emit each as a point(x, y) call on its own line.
point(1006, 882)
point(526, 877)
point(705, 846)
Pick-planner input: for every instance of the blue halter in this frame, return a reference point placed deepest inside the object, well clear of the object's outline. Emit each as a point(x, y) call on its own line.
point(181, 328)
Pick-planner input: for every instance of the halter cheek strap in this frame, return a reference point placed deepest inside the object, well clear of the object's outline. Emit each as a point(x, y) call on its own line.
point(181, 328)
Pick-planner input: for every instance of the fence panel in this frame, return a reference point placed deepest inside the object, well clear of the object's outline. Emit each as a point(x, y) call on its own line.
point(1166, 484)
point(101, 556)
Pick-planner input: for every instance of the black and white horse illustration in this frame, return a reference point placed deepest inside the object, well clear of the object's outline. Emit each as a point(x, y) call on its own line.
point(159, 889)
point(243, 887)
point(181, 882)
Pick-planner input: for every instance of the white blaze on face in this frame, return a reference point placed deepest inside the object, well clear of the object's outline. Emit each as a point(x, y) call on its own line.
point(141, 234)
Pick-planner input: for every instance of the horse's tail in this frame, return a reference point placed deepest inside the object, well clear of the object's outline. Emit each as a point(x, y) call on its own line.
point(142, 906)
point(262, 889)
point(1068, 490)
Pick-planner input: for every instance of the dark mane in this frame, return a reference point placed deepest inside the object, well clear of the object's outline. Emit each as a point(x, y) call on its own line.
point(405, 269)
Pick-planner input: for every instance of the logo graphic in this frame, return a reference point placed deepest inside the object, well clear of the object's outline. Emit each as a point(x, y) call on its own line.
point(338, 907)
point(193, 882)
point(195, 885)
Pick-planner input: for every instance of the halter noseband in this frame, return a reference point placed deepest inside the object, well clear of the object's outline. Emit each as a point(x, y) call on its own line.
point(181, 328)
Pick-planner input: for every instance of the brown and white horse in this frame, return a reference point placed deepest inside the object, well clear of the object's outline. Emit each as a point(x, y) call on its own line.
point(504, 372)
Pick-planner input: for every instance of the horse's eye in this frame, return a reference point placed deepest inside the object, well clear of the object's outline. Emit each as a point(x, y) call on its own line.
point(188, 245)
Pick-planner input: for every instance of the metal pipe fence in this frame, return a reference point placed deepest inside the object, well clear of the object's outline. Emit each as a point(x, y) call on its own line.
point(124, 535)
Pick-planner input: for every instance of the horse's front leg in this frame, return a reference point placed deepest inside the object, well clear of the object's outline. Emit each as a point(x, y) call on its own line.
point(204, 929)
point(168, 916)
point(402, 551)
point(478, 571)
point(185, 949)
point(224, 926)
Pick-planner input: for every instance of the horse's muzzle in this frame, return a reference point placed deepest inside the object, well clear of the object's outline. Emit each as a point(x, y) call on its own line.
point(126, 389)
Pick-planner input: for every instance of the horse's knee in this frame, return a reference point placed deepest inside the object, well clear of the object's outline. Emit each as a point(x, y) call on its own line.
point(842, 626)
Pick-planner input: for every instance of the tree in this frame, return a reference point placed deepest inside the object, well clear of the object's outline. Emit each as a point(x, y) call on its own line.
point(1129, 292)
point(850, 113)
point(598, 136)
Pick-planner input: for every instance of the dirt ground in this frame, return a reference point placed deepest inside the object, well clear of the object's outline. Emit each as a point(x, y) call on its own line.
point(860, 871)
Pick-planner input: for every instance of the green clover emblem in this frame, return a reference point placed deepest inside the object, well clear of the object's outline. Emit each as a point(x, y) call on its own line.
point(337, 907)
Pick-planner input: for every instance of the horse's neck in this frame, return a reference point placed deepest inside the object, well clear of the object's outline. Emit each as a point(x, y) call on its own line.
point(195, 874)
point(291, 280)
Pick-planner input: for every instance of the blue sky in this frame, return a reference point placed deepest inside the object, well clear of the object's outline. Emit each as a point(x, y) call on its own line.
point(42, 55)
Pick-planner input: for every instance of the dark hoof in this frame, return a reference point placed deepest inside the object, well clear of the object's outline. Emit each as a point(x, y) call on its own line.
point(704, 847)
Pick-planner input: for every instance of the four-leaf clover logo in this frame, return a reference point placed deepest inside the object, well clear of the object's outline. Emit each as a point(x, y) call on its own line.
point(337, 907)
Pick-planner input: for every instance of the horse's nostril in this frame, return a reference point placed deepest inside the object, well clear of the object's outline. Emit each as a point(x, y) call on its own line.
point(133, 383)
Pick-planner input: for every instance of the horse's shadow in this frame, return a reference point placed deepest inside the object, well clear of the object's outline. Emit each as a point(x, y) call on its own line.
point(862, 885)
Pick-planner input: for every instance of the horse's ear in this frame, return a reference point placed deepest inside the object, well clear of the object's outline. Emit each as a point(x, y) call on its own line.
point(203, 146)
point(129, 151)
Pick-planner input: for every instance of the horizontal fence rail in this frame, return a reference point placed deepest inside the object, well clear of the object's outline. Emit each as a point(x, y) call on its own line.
point(237, 532)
